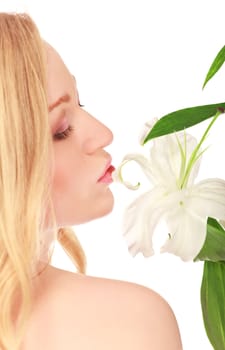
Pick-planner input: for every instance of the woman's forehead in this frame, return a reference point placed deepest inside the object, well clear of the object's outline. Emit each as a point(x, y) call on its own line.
point(59, 79)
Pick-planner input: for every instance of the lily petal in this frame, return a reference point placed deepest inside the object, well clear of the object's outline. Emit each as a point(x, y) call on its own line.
point(140, 220)
point(188, 223)
point(166, 159)
point(142, 161)
point(118, 177)
point(188, 233)
point(207, 198)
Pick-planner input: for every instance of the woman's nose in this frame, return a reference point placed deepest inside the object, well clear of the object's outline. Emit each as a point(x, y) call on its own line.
point(97, 136)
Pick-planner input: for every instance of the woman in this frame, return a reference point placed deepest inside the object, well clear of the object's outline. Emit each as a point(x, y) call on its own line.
point(54, 172)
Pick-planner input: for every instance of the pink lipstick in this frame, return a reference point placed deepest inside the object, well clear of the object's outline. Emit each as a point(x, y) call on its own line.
point(107, 176)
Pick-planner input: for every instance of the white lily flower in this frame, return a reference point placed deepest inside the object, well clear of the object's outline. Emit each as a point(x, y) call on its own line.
point(174, 198)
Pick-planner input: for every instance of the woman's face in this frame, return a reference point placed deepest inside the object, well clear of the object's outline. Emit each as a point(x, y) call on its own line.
point(81, 171)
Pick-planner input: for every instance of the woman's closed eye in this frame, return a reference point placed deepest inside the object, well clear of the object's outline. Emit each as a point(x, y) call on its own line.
point(63, 134)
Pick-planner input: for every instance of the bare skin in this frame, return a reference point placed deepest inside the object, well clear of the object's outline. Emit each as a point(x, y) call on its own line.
point(72, 311)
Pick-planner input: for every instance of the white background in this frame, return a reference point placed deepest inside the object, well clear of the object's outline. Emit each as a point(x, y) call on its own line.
point(135, 60)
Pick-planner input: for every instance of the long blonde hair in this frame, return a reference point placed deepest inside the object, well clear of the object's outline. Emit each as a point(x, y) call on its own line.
point(25, 153)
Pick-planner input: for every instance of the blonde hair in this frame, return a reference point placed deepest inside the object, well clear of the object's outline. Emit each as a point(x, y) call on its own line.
point(25, 155)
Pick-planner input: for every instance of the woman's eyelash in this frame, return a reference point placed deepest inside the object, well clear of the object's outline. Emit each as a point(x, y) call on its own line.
point(64, 134)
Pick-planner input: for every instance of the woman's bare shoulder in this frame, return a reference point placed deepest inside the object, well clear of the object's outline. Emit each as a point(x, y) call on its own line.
point(99, 313)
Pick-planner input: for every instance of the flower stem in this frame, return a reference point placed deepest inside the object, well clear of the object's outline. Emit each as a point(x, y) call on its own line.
point(194, 155)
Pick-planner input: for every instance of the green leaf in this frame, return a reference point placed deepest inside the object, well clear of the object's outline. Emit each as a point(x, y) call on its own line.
point(213, 283)
point(212, 301)
point(183, 118)
point(215, 66)
point(214, 246)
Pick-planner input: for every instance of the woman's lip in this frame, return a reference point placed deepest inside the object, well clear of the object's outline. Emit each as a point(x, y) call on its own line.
point(107, 175)
point(106, 167)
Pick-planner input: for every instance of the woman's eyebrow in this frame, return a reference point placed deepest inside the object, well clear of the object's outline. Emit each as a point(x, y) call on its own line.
point(64, 98)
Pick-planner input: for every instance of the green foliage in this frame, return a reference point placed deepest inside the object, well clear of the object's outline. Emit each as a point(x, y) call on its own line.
point(183, 119)
point(214, 246)
point(217, 63)
point(212, 300)
point(213, 284)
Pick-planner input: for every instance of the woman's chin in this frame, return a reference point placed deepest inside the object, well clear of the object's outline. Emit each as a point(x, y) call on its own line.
point(104, 207)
